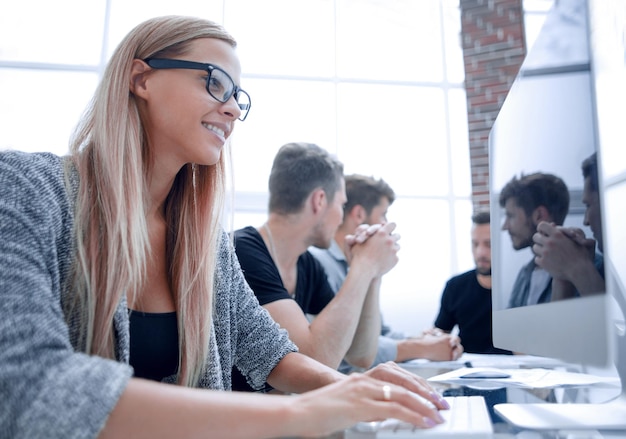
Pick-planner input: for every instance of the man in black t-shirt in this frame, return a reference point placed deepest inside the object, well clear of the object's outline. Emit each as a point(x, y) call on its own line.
point(307, 194)
point(466, 298)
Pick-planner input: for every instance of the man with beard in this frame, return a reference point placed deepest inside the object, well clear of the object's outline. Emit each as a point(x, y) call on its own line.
point(528, 201)
point(466, 298)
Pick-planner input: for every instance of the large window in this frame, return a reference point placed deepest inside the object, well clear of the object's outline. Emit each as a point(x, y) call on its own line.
point(379, 83)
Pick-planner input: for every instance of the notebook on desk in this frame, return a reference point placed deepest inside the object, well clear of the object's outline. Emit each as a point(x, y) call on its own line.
point(467, 417)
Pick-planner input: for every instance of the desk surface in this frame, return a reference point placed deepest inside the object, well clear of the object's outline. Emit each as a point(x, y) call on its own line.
point(504, 394)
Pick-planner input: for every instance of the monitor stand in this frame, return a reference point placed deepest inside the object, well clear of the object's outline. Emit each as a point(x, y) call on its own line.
point(602, 416)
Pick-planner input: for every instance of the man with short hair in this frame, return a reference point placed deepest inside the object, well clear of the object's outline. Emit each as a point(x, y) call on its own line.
point(466, 298)
point(528, 201)
point(307, 194)
point(368, 200)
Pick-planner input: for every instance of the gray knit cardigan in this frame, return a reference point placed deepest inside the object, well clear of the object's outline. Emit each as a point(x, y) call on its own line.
point(48, 387)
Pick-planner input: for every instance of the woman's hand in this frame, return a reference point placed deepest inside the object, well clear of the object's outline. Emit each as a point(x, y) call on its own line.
point(392, 373)
point(365, 397)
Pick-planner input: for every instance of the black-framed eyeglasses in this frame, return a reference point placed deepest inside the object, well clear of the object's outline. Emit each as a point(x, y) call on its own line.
point(219, 84)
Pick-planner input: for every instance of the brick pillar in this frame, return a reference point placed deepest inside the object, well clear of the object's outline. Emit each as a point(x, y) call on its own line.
point(493, 51)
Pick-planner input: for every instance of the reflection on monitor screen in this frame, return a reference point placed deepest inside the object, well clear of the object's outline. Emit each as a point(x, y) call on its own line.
point(541, 137)
point(552, 259)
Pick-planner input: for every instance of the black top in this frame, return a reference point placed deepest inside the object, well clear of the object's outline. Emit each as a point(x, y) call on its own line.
point(153, 344)
point(466, 303)
point(313, 291)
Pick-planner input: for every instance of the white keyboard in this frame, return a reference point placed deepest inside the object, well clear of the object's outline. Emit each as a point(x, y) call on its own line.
point(468, 417)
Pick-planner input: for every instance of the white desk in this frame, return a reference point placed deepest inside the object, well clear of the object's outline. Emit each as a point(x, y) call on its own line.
point(502, 394)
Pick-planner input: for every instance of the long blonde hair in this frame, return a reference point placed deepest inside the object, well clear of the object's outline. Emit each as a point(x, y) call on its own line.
point(114, 161)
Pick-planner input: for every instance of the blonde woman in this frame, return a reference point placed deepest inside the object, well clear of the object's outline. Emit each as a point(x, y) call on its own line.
point(117, 279)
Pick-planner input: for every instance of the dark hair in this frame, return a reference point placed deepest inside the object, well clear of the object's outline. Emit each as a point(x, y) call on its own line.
point(590, 170)
point(365, 191)
point(538, 189)
point(298, 169)
point(481, 217)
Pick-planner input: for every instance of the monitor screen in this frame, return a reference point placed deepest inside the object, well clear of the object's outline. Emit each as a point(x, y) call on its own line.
point(607, 32)
point(547, 128)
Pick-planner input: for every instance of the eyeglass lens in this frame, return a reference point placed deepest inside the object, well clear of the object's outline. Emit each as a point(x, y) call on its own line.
point(221, 87)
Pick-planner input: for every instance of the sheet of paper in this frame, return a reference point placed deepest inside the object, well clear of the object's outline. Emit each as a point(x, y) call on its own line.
point(535, 378)
point(485, 360)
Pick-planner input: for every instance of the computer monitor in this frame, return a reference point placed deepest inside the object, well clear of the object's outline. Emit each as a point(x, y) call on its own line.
point(567, 103)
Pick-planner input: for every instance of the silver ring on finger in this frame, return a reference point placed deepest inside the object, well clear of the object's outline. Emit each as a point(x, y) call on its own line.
point(386, 393)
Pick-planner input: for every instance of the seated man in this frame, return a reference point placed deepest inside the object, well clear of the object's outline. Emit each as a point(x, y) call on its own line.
point(368, 201)
point(306, 198)
point(466, 299)
point(527, 201)
point(570, 257)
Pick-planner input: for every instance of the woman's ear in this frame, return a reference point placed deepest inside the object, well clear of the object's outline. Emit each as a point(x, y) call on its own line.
point(138, 76)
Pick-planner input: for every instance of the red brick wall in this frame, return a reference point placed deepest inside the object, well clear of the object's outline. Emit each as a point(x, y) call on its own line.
point(493, 50)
